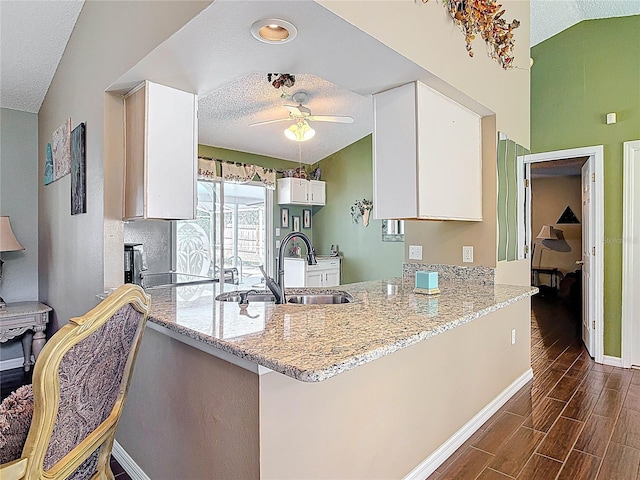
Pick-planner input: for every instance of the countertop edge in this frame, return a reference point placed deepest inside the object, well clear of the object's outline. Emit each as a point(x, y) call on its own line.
point(314, 376)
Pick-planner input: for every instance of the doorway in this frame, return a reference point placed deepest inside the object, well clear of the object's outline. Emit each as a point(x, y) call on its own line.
point(592, 230)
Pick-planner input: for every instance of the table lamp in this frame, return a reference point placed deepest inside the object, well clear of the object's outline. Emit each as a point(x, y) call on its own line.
point(8, 243)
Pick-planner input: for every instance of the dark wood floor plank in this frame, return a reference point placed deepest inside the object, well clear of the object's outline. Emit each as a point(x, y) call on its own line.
point(619, 379)
point(545, 414)
point(496, 434)
point(468, 466)
point(515, 453)
point(581, 405)
point(560, 439)
point(565, 388)
point(580, 466)
point(596, 435)
point(632, 400)
point(627, 430)
point(539, 467)
point(609, 403)
point(620, 463)
point(489, 474)
point(594, 382)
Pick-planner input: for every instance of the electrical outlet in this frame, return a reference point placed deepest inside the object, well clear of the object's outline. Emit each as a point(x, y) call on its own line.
point(277, 243)
point(277, 232)
point(467, 254)
point(415, 252)
point(513, 336)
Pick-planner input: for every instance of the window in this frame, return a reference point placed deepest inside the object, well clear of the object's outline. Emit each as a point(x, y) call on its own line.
point(231, 235)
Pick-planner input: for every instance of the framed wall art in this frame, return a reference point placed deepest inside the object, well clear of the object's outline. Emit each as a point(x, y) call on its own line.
point(306, 218)
point(61, 147)
point(284, 218)
point(78, 171)
point(296, 223)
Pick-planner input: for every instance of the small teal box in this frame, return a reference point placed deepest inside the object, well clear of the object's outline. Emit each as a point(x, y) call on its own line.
point(427, 282)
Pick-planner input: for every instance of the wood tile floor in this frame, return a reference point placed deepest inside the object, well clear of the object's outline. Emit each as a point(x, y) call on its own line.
point(576, 420)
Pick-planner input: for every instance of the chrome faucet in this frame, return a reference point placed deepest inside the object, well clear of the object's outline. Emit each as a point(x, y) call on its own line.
point(277, 287)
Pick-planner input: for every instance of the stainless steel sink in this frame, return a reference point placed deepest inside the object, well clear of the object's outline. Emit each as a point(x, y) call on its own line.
point(246, 296)
point(249, 296)
point(320, 298)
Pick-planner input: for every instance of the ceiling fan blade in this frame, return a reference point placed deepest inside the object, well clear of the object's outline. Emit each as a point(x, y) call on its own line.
point(330, 118)
point(270, 121)
point(298, 110)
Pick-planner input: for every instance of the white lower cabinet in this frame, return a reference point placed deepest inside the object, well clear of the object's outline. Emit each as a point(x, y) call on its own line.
point(297, 273)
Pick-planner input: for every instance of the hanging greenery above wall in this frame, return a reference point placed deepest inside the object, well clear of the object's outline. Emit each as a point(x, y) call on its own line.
point(484, 17)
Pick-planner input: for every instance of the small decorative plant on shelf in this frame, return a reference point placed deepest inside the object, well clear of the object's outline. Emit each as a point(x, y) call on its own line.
point(362, 208)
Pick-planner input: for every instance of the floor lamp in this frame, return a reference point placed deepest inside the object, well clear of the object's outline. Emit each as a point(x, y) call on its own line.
point(547, 232)
point(8, 243)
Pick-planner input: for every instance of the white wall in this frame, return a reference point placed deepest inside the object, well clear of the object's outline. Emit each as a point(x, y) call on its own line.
point(107, 40)
point(19, 199)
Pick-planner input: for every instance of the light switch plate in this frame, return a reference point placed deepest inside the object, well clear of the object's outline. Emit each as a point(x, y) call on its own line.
point(415, 252)
point(277, 232)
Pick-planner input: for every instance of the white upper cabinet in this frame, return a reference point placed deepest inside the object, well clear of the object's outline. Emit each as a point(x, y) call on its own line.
point(427, 156)
point(161, 144)
point(298, 191)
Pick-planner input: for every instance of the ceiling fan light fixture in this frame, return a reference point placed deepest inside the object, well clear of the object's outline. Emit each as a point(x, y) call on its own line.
point(299, 132)
point(274, 31)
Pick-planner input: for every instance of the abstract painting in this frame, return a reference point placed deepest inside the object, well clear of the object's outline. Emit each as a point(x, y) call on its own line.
point(78, 171)
point(48, 166)
point(62, 150)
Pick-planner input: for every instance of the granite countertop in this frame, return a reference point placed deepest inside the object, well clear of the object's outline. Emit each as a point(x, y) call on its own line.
point(312, 343)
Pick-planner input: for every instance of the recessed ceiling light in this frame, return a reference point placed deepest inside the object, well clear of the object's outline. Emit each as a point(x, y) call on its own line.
point(273, 30)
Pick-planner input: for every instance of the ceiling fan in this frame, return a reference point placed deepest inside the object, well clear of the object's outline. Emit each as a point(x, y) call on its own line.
point(301, 130)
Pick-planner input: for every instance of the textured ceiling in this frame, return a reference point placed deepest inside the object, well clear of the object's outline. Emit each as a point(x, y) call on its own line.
point(550, 17)
point(34, 35)
point(225, 115)
point(227, 67)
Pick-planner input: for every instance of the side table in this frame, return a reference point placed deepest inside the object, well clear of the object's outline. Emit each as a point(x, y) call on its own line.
point(28, 319)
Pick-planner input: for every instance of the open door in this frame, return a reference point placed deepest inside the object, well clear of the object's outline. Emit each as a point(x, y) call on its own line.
point(592, 239)
point(588, 247)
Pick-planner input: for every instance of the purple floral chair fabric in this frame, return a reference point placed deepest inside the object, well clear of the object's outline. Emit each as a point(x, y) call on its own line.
point(92, 377)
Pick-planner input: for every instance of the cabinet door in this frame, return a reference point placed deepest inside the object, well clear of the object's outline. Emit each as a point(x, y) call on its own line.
point(292, 191)
point(315, 278)
point(332, 277)
point(317, 192)
point(171, 153)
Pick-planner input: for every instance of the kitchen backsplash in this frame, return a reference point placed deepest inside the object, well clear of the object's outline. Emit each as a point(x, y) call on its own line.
point(155, 236)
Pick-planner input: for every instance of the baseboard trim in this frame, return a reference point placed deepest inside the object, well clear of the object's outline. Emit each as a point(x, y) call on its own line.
point(612, 361)
point(11, 363)
point(444, 451)
point(127, 463)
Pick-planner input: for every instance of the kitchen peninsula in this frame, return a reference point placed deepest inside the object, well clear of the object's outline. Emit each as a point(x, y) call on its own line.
point(370, 389)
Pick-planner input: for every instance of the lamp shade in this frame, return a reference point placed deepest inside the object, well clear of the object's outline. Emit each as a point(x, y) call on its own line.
point(8, 241)
point(547, 232)
point(299, 132)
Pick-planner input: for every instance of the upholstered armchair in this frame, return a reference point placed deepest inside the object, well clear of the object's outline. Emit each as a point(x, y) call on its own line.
point(63, 425)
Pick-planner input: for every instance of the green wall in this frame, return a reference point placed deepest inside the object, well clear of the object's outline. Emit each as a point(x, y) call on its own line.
point(579, 76)
point(349, 177)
